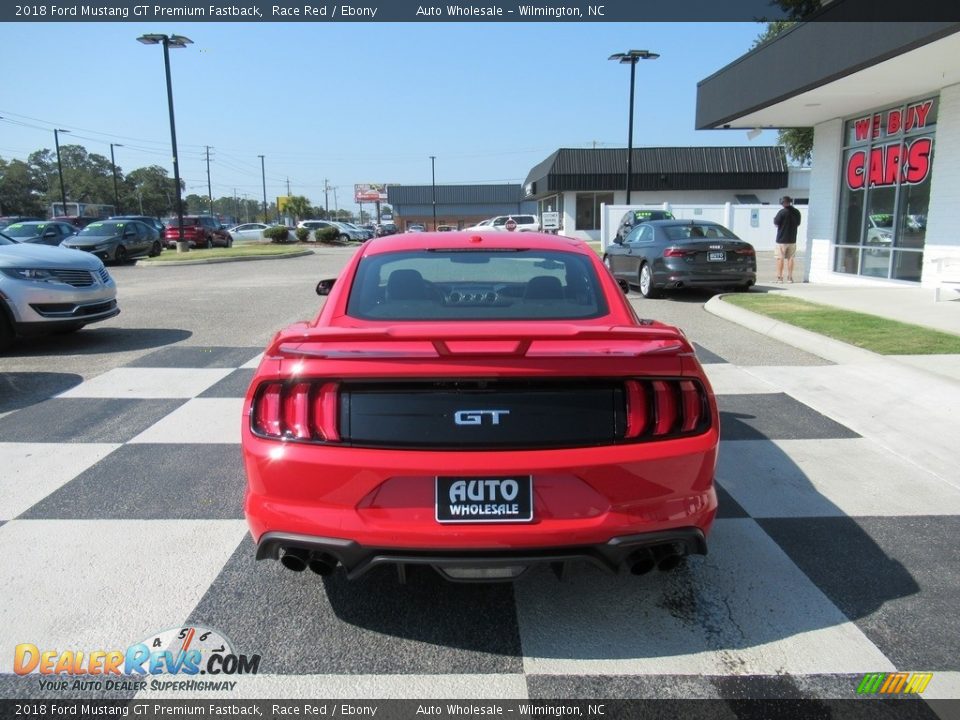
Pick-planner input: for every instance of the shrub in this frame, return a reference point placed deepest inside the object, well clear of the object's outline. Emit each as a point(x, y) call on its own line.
point(327, 235)
point(303, 234)
point(277, 234)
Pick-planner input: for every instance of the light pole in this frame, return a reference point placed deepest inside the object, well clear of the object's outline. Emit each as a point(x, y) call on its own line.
point(630, 58)
point(63, 193)
point(113, 165)
point(263, 177)
point(171, 41)
point(433, 188)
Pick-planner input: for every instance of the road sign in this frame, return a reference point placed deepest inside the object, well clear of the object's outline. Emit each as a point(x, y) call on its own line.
point(511, 224)
point(551, 221)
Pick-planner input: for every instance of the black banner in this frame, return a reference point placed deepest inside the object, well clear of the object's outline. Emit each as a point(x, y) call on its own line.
point(480, 11)
point(859, 709)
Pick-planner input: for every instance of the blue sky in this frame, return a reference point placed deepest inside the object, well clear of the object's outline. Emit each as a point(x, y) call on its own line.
point(358, 102)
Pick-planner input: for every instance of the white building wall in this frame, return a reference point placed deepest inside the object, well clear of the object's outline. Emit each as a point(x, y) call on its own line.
point(943, 217)
point(824, 203)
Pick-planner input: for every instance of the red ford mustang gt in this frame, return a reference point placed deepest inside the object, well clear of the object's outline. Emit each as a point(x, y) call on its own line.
point(479, 403)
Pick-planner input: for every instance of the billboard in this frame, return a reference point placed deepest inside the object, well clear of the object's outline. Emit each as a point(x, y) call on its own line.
point(371, 192)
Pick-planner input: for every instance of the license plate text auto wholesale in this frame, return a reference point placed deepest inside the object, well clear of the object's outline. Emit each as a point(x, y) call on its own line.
point(717, 256)
point(476, 500)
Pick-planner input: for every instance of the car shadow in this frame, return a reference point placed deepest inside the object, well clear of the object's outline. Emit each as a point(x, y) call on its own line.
point(23, 389)
point(96, 340)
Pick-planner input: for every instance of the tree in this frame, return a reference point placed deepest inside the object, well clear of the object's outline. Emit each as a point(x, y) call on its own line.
point(298, 206)
point(798, 142)
point(87, 177)
point(20, 192)
point(151, 190)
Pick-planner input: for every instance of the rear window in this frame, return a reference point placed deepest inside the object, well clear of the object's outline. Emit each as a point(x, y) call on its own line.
point(698, 232)
point(475, 285)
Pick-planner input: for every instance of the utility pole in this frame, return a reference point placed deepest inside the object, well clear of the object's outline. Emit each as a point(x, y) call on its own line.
point(326, 199)
point(433, 187)
point(209, 186)
point(113, 167)
point(236, 205)
point(336, 205)
point(263, 175)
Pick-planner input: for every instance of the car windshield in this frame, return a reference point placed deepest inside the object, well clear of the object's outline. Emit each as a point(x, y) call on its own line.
point(697, 232)
point(476, 285)
point(23, 230)
point(6, 240)
point(103, 228)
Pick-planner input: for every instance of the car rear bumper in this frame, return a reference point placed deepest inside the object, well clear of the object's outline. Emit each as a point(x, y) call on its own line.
point(670, 278)
point(373, 506)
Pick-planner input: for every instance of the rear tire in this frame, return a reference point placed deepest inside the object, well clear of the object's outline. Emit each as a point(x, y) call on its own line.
point(344, 238)
point(646, 283)
point(120, 256)
point(6, 333)
point(209, 243)
point(156, 249)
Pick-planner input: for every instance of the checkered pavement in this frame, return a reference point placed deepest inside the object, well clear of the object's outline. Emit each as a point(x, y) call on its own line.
point(121, 516)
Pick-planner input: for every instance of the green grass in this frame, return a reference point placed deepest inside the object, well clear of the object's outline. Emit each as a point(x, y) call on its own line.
point(236, 251)
point(886, 337)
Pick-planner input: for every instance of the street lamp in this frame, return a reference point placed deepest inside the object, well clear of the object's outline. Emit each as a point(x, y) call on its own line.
point(171, 41)
point(433, 188)
point(63, 193)
point(630, 58)
point(113, 165)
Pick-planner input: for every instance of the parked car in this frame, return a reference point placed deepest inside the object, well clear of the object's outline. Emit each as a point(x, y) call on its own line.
point(355, 233)
point(50, 290)
point(631, 218)
point(318, 225)
point(248, 233)
point(11, 219)
point(117, 240)
point(478, 407)
point(153, 222)
point(668, 254)
point(43, 232)
point(445, 228)
point(416, 227)
point(879, 233)
point(386, 228)
point(198, 231)
point(524, 223)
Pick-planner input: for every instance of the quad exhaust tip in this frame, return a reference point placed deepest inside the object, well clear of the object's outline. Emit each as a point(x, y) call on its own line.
point(294, 559)
point(298, 560)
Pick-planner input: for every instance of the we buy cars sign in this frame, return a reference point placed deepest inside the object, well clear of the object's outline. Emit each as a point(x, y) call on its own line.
point(906, 161)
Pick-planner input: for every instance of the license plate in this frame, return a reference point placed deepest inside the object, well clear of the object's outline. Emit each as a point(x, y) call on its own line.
point(716, 257)
point(484, 500)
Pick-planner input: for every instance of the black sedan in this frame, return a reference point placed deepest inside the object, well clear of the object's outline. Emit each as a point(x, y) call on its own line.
point(117, 240)
point(668, 254)
point(42, 232)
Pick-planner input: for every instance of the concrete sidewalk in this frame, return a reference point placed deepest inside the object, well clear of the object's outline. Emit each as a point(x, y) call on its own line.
point(910, 404)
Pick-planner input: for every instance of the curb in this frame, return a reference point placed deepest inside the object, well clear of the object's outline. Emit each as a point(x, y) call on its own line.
point(214, 261)
point(820, 345)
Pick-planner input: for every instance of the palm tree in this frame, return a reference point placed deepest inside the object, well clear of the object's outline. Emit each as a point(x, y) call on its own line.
point(298, 206)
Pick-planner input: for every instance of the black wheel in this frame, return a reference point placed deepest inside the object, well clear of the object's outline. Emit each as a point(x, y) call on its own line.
point(156, 249)
point(230, 242)
point(6, 333)
point(209, 243)
point(344, 238)
point(120, 256)
point(646, 283)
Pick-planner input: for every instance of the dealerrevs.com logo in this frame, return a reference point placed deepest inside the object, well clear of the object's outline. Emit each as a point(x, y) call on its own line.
point(186, 652)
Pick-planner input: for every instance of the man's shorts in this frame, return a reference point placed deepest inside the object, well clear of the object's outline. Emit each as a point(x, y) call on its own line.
point(785, 251)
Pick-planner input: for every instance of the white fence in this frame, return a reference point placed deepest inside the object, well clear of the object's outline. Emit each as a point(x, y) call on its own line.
point(753, 223)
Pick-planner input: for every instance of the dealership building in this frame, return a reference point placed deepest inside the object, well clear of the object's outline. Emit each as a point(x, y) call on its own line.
point(884, 102)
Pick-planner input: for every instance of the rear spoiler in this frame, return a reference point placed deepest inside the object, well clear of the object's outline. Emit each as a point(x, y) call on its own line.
point(420, 341)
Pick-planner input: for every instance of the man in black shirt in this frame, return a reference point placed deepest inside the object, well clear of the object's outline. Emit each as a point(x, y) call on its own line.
point(787, 222)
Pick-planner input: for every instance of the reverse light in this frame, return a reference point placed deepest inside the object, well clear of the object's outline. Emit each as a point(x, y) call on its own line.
point(305, 410)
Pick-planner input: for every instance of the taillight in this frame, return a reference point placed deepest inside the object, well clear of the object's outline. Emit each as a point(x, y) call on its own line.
point(657, 409)
point(677, 252)
point(745, 251)
point(297, 411)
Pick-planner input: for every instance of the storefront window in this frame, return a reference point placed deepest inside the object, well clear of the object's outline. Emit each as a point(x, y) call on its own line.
point(886, 192)
point(588, 209)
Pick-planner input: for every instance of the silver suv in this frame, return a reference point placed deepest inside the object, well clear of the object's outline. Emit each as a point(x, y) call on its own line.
point(525, 223)
point(47, 289)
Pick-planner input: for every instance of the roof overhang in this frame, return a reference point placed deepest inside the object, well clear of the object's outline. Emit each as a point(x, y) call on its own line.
point(819, 71)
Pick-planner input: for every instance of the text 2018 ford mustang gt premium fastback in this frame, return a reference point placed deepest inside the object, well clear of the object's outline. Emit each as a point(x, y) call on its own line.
point(479, 403)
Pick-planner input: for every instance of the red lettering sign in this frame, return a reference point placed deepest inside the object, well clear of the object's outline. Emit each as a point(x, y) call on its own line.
point(910, 163)
point(892, 121)
point(862, 128)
